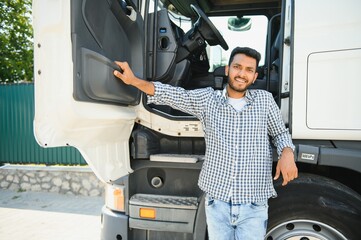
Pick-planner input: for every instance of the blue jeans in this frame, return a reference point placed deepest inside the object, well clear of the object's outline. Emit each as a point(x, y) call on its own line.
point(229, 221)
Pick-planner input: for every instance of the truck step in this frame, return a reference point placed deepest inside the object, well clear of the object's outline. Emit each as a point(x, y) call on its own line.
point(180, 158)
point(164, 201)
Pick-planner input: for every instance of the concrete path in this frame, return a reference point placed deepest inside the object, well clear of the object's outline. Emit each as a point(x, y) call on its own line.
point(49, 216)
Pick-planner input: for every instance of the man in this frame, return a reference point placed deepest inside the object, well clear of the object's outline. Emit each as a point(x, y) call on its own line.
point(237, 172)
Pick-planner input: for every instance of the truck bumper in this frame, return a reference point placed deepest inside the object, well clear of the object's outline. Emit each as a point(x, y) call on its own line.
point(114, 225)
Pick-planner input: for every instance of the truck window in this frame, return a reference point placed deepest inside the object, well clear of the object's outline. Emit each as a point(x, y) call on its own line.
point(255, 38)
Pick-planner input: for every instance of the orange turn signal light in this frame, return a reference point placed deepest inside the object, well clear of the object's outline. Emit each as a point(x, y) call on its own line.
point(147, 213)
point(118, 195)
point(114, 197)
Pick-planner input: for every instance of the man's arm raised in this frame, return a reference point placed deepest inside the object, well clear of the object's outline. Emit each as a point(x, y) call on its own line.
point(128, 78)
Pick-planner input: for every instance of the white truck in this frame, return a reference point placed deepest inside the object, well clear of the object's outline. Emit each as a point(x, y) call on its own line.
point(150, 156)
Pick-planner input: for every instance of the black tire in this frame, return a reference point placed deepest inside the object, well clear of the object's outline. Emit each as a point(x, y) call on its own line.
point(314, 207)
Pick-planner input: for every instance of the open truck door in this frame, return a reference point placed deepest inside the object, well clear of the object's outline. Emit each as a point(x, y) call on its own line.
point(78, 101)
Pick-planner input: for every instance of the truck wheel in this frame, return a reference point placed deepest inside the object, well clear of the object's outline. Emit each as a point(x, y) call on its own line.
point(313, 207)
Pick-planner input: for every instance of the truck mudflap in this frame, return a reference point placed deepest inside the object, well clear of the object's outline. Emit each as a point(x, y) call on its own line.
point(162, 213)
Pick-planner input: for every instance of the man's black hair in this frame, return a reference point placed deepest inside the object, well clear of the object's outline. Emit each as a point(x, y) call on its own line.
point(250, 52)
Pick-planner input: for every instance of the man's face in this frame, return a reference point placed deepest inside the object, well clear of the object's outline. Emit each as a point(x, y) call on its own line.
point(241, 74)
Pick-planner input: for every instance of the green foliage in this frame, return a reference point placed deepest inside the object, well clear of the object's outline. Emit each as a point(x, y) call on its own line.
point(16, 41)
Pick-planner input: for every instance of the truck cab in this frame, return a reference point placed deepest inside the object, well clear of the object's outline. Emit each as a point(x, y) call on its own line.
point(150, 156)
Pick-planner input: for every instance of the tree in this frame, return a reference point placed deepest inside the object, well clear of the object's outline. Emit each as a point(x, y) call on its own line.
point(16, 41)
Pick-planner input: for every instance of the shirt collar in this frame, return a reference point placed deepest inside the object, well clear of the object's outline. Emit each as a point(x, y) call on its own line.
point(248, 96)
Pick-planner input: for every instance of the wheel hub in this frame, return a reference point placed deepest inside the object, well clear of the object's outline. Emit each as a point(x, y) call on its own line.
point(303, 229)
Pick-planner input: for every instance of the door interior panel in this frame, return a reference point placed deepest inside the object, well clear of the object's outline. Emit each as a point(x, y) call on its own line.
point(102, 34)
point(95, 67)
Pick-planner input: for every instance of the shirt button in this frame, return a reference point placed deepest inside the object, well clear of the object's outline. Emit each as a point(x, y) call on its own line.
point(235, 146)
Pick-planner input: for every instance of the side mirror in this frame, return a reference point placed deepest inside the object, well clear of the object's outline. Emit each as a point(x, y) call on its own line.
point(239, 24)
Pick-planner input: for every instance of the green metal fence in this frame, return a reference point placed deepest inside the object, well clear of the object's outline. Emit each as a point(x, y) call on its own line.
point(17, 142)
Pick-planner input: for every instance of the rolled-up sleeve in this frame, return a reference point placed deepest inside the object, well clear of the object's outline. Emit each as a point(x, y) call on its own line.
point(189, 101)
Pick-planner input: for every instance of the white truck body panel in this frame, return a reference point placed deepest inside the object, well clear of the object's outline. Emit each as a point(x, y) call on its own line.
point(336, 108)
point(326, 86)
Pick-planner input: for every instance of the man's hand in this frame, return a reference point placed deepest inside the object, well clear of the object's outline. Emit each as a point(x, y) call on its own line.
point(127, 76)
point(287, 166)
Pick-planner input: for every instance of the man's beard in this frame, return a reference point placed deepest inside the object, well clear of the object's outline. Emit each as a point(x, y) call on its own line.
point(235, 88)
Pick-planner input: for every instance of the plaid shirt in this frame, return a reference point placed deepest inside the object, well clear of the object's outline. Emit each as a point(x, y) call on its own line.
point(238, 158)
